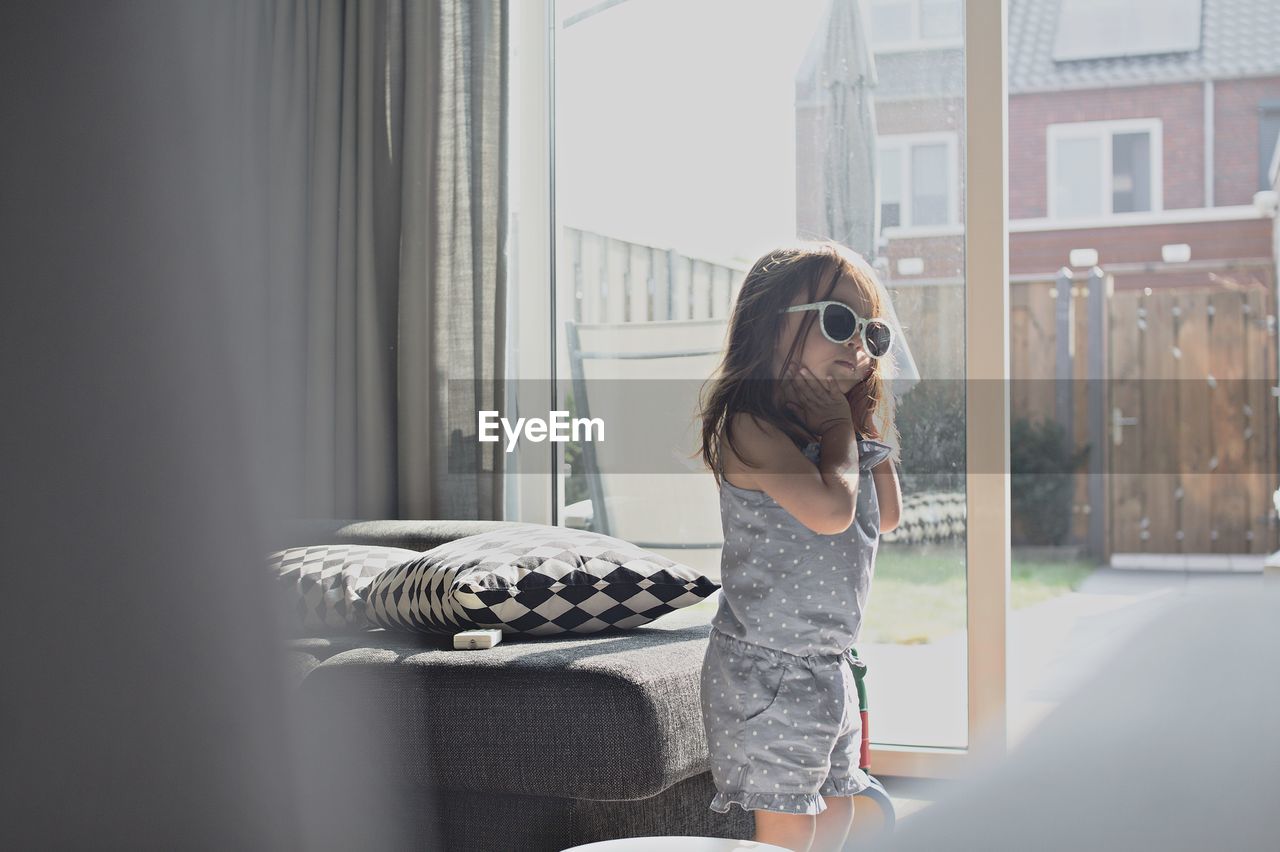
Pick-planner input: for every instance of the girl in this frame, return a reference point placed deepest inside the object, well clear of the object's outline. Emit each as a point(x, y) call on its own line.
point(802, 505)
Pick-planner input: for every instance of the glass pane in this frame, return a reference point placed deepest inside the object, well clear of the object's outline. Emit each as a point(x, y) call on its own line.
point(891, 21)
point(1268, 133)
point(1114, 509)
point(890, 175)
point(929, 185)
point(939, 19)
point(672, 178)
point(1077, 180)
point(890, 187)
point(1130, 172)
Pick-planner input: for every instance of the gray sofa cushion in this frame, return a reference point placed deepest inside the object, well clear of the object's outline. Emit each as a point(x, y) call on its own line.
point(614, 715)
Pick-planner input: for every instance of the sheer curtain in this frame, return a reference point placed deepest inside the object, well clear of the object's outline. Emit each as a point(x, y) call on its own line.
point(376, 218)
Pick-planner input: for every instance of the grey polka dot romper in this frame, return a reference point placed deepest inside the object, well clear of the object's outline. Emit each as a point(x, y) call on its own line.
point(779, 700)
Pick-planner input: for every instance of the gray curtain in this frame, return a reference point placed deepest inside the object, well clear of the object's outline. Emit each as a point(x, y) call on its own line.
point(375, 170)
point(218, 217)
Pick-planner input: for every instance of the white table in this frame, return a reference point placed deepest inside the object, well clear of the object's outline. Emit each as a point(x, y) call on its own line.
point(677, 843)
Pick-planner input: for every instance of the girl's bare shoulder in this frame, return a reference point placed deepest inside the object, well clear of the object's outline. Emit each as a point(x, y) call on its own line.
point(787, 475)
point(763, 443)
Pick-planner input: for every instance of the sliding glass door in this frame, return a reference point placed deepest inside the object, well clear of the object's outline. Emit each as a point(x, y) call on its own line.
point(678, 142)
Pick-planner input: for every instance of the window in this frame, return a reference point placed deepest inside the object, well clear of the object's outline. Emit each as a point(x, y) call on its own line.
point(890, 187)
point(1268, 132)
point(1100, 168)
point(915, 24)
point(917, 180)
point(1130, 172)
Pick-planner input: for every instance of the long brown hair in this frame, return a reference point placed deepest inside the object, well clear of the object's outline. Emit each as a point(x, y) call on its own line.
point(745, 381)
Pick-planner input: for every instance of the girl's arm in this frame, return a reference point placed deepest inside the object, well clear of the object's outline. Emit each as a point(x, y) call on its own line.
point(885, 477)
point(888, 494)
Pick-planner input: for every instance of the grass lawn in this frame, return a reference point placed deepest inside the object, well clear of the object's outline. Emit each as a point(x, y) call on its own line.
point(917, 597)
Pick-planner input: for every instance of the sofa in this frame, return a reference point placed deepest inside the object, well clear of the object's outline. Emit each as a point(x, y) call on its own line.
point(535, 745)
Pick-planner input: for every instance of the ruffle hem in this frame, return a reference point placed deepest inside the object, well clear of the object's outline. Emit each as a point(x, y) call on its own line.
point(794, 803)
point(851, 786)
point(790, 803)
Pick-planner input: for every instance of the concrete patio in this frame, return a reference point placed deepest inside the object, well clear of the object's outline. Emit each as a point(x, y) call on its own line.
point(1054, 647)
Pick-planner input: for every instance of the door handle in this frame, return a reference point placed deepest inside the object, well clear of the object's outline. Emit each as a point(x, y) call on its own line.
point(1118, 422)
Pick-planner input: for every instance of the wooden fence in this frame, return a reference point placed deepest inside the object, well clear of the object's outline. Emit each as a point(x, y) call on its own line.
point(1206, 465)
point(618, 281)
point(1072, 340)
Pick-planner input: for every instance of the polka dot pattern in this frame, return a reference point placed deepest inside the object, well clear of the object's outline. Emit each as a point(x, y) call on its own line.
point(787, 587)
point(783, 730)
point(779, 700)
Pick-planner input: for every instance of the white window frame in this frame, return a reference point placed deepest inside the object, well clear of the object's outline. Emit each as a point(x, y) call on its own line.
point(534, 485)
point(1103, 131)
point(904, 142)
point(917, 42)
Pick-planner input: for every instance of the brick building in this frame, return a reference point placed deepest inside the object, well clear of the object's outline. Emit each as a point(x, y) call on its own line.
point(1130, 144)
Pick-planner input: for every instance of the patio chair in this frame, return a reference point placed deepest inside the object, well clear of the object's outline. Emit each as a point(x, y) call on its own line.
point(644, 484)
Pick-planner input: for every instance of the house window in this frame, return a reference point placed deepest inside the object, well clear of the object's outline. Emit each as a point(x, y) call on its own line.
point(891, 187)
point(1100, 168)
point(917, 180)
point(915, 24)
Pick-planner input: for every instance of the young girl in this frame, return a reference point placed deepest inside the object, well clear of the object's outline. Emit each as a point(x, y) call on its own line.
point(790, 424)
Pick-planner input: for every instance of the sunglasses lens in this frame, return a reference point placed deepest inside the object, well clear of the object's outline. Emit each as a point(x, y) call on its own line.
point(838, 322)
point(879, 338)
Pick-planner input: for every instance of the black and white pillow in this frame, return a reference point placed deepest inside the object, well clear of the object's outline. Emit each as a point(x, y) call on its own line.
point(930, 517)
point(319, 587)
point(535, 580)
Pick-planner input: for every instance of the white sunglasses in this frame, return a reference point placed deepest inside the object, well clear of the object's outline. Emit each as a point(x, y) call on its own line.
point(839, 324)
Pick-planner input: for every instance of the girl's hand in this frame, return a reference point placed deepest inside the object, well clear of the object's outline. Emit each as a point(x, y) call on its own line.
point(816, 401)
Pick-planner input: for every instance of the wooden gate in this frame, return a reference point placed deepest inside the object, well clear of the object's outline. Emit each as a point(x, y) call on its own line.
point(1192, 421)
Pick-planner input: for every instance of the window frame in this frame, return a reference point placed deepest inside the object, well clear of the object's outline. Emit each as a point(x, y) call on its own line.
point(917, 41)
point(1104, 131)
point(904, 142)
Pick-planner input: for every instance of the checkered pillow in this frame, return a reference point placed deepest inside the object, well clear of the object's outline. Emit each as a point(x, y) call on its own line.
point(319, 587)
point(535, 580)
point(930, 517)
